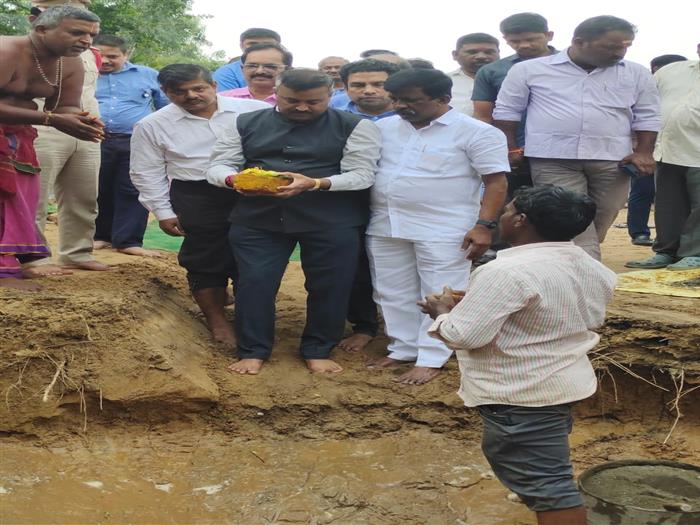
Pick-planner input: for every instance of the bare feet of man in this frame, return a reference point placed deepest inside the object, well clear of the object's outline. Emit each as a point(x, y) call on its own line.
point(140, 252)
point(385, 362)
point(356, 342)
point(418, 375)
point(323, 366)
point(44, 270)
point(223, 333)
point(19, 284)
point(100, 245)
point(246, 366)
point(92, 266)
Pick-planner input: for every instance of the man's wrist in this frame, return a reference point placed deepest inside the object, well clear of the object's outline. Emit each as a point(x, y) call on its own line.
point(487, 224)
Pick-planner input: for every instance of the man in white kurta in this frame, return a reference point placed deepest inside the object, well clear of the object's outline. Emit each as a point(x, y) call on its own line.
point(426, 223)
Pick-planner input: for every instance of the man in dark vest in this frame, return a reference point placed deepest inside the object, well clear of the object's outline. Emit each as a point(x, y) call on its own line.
point(331, 155)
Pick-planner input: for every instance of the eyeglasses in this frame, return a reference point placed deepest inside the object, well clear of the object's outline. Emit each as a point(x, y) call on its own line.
point(267, 67)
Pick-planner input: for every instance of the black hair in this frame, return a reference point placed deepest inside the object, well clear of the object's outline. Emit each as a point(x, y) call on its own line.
point(173, 75)
point(370, 52)
point(594, 28)
point(476, 38)
point(111, 41)
point(524, 23)
point(557, 214)
point(51, 17)
point(286, 55)
point(664, 60)
point(368, 65)
point(433, 82)
point(303, 79)
point(260, 32)
point(420, 63)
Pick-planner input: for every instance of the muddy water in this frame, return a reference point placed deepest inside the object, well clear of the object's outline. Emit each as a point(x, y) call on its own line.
point(414, 477)
point(182, 475)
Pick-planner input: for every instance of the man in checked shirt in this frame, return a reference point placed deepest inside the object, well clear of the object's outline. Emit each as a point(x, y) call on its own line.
point(521, 333)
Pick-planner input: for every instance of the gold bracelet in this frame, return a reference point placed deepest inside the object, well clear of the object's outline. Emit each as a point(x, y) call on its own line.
point(317, 184)
point(47, 118)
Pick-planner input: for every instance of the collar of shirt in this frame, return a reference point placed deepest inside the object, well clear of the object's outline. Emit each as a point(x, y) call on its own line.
point(244, 92)
point(562, 57)
point(517, 251)
point(351, 107)
point(128, 66)
point(458, 73)
point(444, 120)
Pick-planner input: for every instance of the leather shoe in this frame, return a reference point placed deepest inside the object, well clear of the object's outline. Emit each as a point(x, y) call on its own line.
point(642, 240)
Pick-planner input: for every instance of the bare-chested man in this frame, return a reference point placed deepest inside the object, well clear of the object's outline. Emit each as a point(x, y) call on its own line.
point(45, 64)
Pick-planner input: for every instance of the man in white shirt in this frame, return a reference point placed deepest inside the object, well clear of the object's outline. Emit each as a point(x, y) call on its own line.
point(426, 225)
point(585, 106)
point(677, 208)
point(170, 152)
point(472, 52)
point(521, 332)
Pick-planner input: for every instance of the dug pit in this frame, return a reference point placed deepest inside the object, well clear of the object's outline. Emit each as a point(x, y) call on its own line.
point(116, 408)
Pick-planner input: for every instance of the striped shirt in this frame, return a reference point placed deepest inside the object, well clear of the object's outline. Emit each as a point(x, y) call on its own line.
point(523, 329)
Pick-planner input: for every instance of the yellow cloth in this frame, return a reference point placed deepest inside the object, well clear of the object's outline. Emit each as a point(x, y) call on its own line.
point(684, 283)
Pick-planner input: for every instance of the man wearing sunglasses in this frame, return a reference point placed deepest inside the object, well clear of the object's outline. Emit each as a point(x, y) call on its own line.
point(262, 64)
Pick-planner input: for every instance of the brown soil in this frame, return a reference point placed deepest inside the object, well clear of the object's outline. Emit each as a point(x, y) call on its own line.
point(143, 423)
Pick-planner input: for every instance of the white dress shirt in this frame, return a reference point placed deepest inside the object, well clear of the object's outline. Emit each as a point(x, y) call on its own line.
point(574, 114)
point(428, 183)
point(356, 167)
point(172, 143)
point(679, 139)
point(462, 86)
point(523, 329)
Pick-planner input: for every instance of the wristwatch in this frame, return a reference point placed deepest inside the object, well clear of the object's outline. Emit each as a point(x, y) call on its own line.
point(491, 225)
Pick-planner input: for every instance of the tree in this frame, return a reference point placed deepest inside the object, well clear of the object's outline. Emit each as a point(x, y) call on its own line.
point(13, 17)
point(159, 32)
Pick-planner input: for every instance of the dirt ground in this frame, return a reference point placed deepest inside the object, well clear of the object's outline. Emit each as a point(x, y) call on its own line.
point(115, 408)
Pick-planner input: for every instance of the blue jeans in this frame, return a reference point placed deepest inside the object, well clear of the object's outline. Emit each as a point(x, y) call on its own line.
point(639, 205)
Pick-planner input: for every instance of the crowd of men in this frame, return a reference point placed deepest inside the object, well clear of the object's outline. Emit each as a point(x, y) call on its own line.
point(402, 177)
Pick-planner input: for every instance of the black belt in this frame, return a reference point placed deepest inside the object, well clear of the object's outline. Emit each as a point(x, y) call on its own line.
point(109, 135)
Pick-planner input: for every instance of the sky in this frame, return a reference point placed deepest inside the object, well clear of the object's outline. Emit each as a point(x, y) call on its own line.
point(313, 29)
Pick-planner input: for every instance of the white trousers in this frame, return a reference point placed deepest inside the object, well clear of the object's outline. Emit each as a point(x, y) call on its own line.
point(403, 272)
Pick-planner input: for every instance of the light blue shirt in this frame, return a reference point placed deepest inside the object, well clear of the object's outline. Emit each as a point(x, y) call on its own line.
point(127, 96)
point(574, 114)
point(229, 76)
point(339, 98)
point(351, 107)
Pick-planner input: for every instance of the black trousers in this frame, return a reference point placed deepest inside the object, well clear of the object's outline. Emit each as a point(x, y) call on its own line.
point(362, 310)
point(328, 259)
point(121, 219)
point(203, 212)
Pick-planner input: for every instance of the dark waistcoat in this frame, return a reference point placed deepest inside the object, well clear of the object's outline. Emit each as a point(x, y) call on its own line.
point(272, 142)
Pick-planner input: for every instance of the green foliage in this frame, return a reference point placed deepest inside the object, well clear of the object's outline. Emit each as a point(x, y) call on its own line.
point(13, 17)
point(160, 32)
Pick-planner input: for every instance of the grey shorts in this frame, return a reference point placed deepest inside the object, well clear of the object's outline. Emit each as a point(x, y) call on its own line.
point(528, 450)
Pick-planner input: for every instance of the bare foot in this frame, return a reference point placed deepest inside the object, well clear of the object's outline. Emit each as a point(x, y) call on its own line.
point(418, 375)
point(384, 362)
point(223, 333)
point(140, 252)
point(19, 284)
point(356, 342)
point(100, 245)
point(93, 266)
point(246, 366)
point(44, 270)
point(323, 366)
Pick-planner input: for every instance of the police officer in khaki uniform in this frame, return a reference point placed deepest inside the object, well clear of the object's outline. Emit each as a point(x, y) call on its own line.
point(70, 167)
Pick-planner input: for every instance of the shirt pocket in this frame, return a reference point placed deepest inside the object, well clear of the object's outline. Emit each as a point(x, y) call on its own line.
point(434, 161)
point(620, 96)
